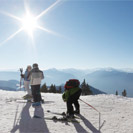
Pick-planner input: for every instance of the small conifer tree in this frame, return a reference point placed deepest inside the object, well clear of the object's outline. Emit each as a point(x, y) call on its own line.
point(124, 93)
point(116, 93)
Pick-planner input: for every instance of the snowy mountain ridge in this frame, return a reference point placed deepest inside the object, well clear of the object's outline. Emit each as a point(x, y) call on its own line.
point(105, 79)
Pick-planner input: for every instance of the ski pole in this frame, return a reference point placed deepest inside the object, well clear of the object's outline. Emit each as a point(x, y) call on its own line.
point(16, 116)
point(89, 105)
point(95, 110)
point(21, 71)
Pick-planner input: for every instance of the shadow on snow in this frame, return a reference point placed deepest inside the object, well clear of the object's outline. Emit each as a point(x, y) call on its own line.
point(25, 123)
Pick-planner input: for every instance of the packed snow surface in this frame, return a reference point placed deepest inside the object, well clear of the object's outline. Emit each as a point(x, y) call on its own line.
point(116, 114)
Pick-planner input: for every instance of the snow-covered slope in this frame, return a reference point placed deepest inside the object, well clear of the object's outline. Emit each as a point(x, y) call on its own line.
point(17, 115)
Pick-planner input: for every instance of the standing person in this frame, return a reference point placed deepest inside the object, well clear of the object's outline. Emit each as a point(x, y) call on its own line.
point(71, 96)
point(27, 82)
point(35, 77)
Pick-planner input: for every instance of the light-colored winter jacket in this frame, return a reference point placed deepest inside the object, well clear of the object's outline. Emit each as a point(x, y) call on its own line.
point(35, 76)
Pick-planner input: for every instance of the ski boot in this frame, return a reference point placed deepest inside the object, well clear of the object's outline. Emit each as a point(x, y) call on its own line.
point(77, 112)
point(71, 116)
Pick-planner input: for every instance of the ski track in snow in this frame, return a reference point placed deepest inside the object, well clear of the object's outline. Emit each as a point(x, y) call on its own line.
point(17, 115)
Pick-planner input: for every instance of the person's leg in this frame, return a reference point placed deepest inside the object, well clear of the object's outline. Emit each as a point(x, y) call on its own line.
point(75, 98)
point(70, 107)
point(33, 88)
point(32, 91)
point(77, 106)
point(27, 88)
point(39, 98)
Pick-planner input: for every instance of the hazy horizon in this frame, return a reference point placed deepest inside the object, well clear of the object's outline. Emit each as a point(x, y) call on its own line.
point(86, 69)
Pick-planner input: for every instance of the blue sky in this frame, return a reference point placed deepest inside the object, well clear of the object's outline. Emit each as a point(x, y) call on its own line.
point(90, 34)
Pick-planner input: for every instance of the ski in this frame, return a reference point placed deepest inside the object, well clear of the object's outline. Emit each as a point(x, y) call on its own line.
point(19, 100)
point(61, 119)
point(62, 114)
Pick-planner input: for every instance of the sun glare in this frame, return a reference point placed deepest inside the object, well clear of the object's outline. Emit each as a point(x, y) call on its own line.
point(29, 23)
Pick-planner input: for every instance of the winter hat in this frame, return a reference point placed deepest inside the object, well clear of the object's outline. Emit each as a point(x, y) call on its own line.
point(29, 66)
point(35, 65)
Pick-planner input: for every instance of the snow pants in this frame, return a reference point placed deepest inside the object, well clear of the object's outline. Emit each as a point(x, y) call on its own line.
point(36, 93)
point(73, 99)
point(27, 87)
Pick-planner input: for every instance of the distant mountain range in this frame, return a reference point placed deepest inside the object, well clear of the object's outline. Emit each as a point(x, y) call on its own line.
point(106, 80)
point(8, 85)
point(110, 81)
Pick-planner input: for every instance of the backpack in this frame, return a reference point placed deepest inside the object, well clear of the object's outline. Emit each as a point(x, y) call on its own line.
point(72, 83)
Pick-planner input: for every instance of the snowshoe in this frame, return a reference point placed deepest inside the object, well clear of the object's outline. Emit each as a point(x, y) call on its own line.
point(36, 104)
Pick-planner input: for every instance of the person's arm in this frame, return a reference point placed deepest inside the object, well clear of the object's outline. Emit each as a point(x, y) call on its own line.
point(29, 75)
point(66, 95)
point(42, 75)
point(22, 75)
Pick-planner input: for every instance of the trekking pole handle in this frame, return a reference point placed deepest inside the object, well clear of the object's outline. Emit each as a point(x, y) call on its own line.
point(21, 70)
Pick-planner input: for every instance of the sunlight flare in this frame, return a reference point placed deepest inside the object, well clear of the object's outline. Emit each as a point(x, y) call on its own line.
point(46, 10)
point(29, 22)
point(10, 37)
point(46, 30)
point(11, 15)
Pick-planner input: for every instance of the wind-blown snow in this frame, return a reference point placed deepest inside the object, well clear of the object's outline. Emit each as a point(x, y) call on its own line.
point(17, 115)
